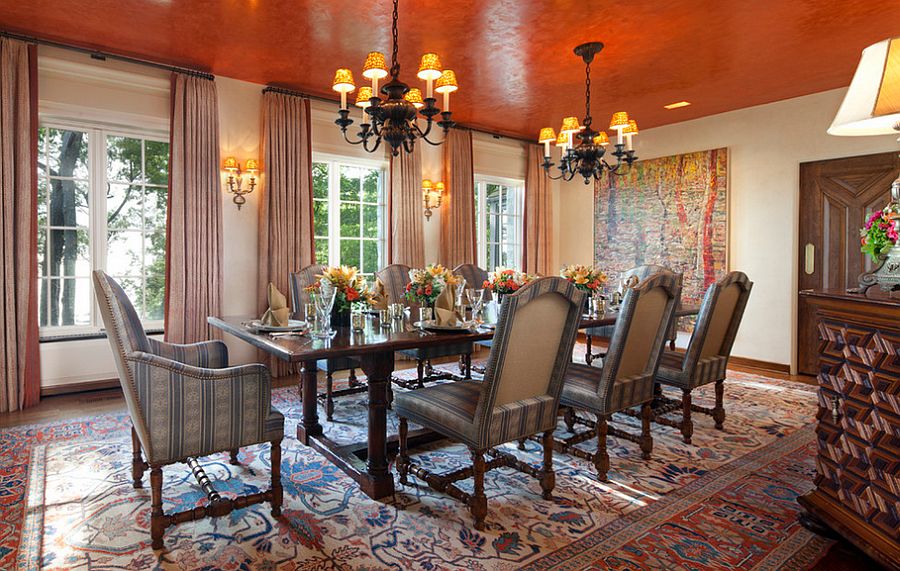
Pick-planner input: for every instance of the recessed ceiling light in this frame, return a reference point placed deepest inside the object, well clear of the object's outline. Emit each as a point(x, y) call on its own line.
point(677, 104)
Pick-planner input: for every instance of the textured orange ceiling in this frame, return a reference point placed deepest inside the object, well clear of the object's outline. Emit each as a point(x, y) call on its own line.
point(513, 58)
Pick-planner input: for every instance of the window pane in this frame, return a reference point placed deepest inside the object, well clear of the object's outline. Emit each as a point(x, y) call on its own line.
point(508, 229)
point(132, 288)
point(370, 221)
point(69, 203)
point(123, 159)
point(123, 253)
point(43, 291)
point(67, 153)
point(508, 202)
point(510, 255)
point(492, 198)
point(493, 256)
point(322, 251)
point(123, 207)
point(155, 198)
point(43, 260)
point(155, 250)
point(350, 253)
point(493, 228)
point(350, 183)
point(371, 256)
point(320, 180)
point(43, 189)
point(156, 286)
point(370, 185)
point(69, 302)
point(156, 157)
point(349, 220)
point(69, 253)
point(320, 217)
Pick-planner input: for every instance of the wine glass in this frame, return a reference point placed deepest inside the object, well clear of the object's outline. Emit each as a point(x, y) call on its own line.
point(324, 305)
point(475, 298)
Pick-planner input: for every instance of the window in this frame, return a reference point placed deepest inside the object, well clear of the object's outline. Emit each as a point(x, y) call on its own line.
point(498, 208)
point(349, 211)
point(101, 205)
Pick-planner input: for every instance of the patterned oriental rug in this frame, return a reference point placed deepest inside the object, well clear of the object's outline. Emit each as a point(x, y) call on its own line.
point(725, 502)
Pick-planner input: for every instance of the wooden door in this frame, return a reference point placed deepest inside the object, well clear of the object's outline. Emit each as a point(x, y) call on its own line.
point(836, 196)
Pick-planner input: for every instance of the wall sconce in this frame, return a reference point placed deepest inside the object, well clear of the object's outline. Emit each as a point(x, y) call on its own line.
point(431, 196)
point(235, 178)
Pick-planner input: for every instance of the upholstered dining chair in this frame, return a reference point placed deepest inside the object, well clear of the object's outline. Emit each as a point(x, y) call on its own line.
point(707, 354)
point(518, 398)
point(475, 278)
point(626, 378)
point(606, 331)
point(299, 297)
point(186, 402)
point(394, 279)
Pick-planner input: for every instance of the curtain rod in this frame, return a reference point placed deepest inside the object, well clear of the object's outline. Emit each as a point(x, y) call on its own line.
point(103, 56)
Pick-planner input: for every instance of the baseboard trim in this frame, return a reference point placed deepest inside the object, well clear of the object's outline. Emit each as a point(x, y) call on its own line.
point(757, 364)
point(82, 387)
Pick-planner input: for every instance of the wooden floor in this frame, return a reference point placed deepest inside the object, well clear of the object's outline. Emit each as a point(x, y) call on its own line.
point(841, 557)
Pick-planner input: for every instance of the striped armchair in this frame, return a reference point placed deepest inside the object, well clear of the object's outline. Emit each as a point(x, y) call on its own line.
point(626, 378)
point(299, 282)
point(394, 278)
point(707, 353)
point(185, 402)
point(518, 398)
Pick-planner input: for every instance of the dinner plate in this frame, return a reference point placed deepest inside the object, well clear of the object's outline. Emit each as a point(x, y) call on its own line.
point(259, 327)
point(433, 326)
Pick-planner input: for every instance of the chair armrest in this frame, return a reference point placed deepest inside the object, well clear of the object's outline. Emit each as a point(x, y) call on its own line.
point(210, 354)
point(196, 411)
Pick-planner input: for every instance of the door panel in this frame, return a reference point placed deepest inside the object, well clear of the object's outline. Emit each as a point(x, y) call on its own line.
point(836, 196)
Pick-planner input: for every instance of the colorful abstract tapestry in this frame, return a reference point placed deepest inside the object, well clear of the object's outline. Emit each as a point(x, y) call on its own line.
point(670, 211)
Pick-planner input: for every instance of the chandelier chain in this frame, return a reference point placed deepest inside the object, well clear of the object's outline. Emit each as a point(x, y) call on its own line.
point(587, 94)
point(395, 66)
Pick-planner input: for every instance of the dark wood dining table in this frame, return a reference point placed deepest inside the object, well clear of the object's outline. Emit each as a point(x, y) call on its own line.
point(366, 462)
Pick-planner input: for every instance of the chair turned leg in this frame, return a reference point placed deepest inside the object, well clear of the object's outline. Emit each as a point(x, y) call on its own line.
point(233, 457)
point(719, 410)
point(588, 357)
point(462, 364)
point(569, 419)
point(601, 457)
point(420, 373)
point(646, 437)
point(137, 462)
point(353, 380)
point(468, 372)
point(548, 477)
point(157, 518)
point(687, 425)
point(478, 501)
point(522, 443)
point(403, 455)
point(277, 490)
point(329, 396)
point(429, 368)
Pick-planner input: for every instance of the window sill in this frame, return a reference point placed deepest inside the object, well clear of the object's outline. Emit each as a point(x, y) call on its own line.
point(88, 336)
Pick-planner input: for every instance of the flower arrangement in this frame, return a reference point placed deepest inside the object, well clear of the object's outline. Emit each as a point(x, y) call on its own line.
point(503, 281)
point(879, 234)
point(350, 285)
point(585, 278)
point(425, 286)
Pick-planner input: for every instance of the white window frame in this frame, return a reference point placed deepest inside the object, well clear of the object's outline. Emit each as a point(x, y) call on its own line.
point(518, 187)
point(97, 132)
point(335, 162)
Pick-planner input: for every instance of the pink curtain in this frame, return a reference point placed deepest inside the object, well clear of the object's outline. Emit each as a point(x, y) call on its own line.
point(286, 202)
point(458, 208)
point(406, 243)
point(194, 228)
point(19, 339)
point(538, 240)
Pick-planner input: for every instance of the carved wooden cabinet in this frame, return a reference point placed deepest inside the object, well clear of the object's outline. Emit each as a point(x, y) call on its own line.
point(857, 491)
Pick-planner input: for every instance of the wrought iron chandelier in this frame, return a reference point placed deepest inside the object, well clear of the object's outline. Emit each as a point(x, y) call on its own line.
point(394, 117)
point(586, 158)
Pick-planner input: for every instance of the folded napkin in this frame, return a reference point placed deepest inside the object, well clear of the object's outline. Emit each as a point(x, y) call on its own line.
point(445, 308)
point(278, 313)
point(379, 297)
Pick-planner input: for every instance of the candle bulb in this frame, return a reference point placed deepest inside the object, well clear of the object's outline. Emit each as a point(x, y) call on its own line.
point(429, 88)
point(547, 149)
point(343, 99)
point(628, 142)
point(375, 84)
point(446, 101)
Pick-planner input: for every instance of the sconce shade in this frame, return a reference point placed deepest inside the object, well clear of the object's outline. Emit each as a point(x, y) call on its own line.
point(252, 166)
point(343, 81)
point(601, 139)
point(375, 66)
point(430, 67)
point(570, 125)
point(230, 164)
point(547, 134)
point(363, 96)
point(414, 96)
point(427, 185)
point(632, 128)
point(439, 187)
point(619, 120)
point(447, 82)
point(871, 105)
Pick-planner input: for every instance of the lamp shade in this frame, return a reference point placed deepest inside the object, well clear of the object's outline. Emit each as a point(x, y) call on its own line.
point(414, 96)
point(343, 81)
point(447, 82)
point(430, 67)
point(619, 120)
point(363, 96)
point(872, 103)
point(547, 134)
point(562, 139)
point(570, 125)
point(252, 165)
point(601, 139)
point(375, 66)
point(632, 128)
point(230, 164)
point(439, 187)
point(427, 185)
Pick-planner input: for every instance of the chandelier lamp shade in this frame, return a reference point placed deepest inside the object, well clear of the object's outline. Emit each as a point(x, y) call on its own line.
point(390, 111)
point(582, 149)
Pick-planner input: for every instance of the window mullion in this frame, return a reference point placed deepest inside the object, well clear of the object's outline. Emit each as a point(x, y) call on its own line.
point(97, 234)
point(334, 217)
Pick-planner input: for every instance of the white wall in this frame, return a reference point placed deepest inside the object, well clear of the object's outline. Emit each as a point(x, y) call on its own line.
point(766, 146)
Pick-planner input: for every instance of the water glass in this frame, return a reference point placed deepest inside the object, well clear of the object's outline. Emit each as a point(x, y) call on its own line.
point(384, 318)
point(425, 314)
point(396, 310)
point(309, 310)
point(357, 321)
point(475, 297)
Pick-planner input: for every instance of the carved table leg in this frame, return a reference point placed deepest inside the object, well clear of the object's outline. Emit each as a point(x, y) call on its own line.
point(309, 425)
point(378, 368)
